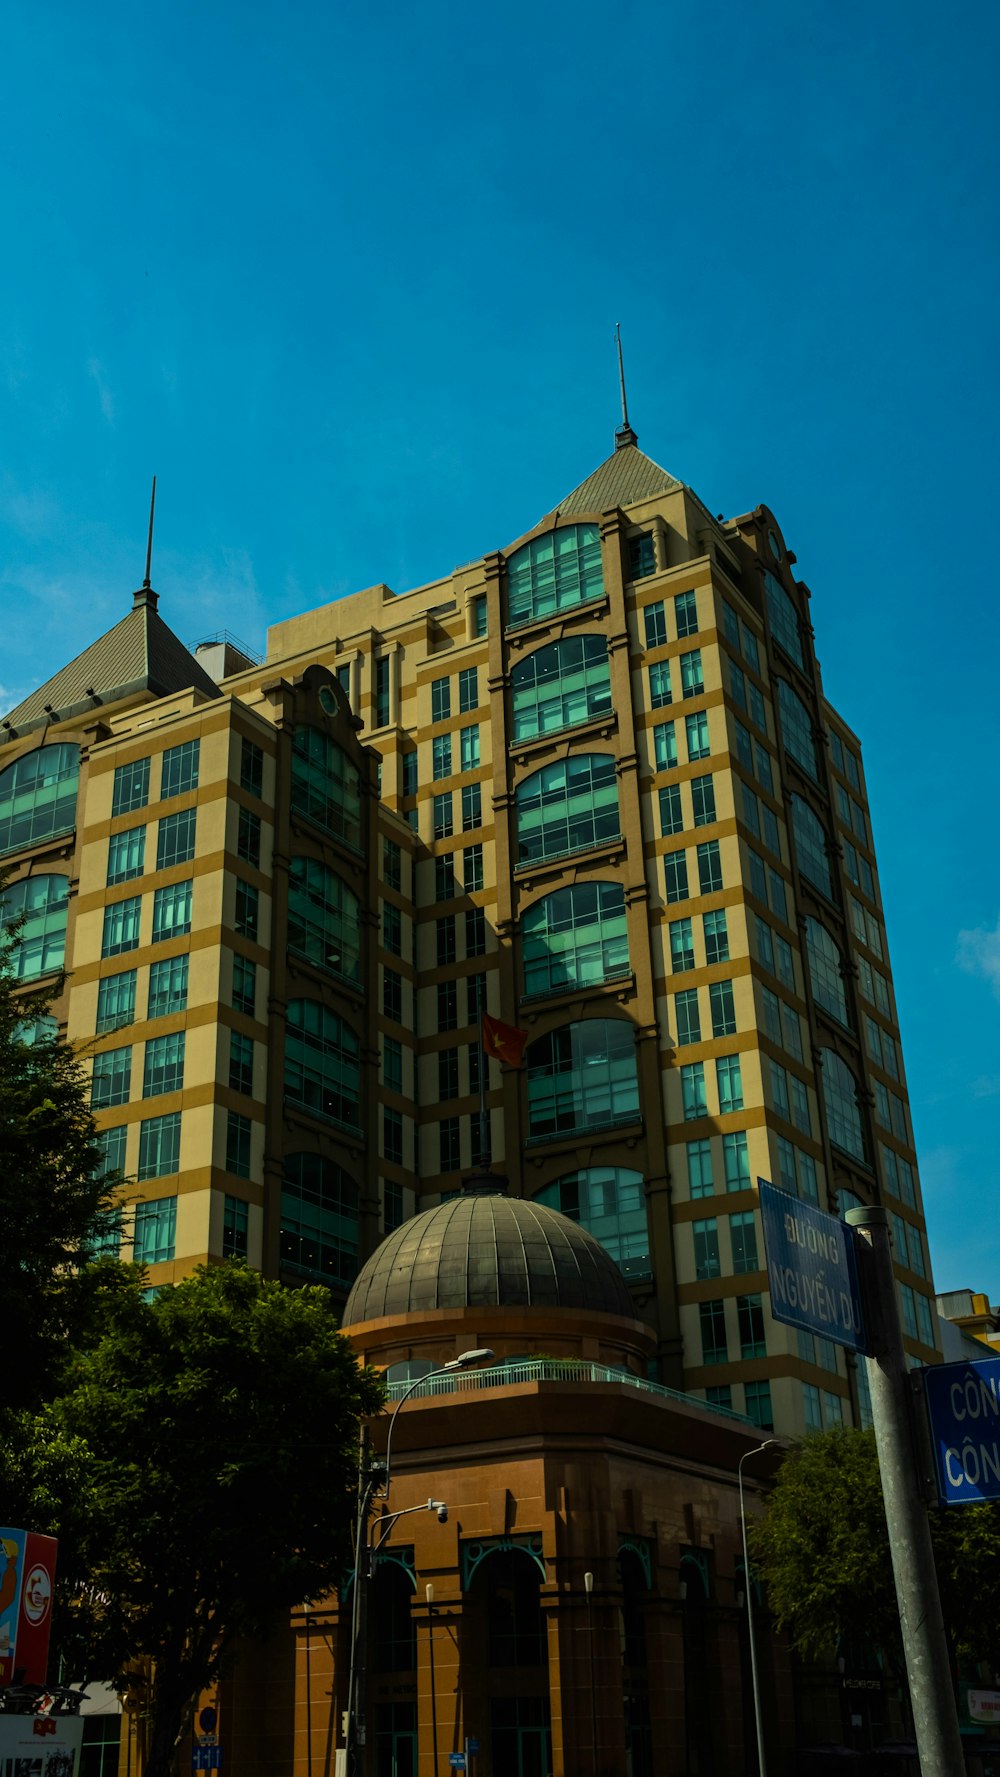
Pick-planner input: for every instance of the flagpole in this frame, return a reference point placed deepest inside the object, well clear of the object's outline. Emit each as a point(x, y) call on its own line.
point(484, 1157)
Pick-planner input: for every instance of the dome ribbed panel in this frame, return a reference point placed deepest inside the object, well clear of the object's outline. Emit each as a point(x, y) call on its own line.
point(487, 1251)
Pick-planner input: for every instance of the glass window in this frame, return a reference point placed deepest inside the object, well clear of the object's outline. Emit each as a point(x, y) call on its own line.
point(447, 1061)
point(244, 985)
point(707, 1262)
point(175, 837)
point(826, 971)
point(410, 773)
point(797, 729)
point(126, 855)
point(687, 1016)
point(675, 876)
point(693, 1095)
point(392, 929)
point(764, 772)
point(671, 815)
point(737, 1160)
point(247, 913)
point(692, 677)
point(131, 787)
point(319, 1219)
point(729, 1078)
point(441, 756)
point(751, 648)
point(720, 996)
point(554, 572)
point(392, 864)
point(751, 809)
point(324, 918)
point(322, 1067)
point(699, 1166)
point(840, 1096)
point(235, 1227)
point(392, 1135)
point(38, 796)
point(239, 1139)
point(730, 624)
point(468, 740)
point(475, 931)
point(443, 823)
point(447, 944)
point(155, 1231)
point(468, 689)
point(737, 685)
point(251, 773)
point(654, 619)
point(164, 1065)
point(560, 685)
point(757, 1401)
point(472, 868)
point(582, 1076)
point(812, 846)
point(248, 831)
point(698, 746)
point(121, 926)
point(240, 1062)
point(168, 986)
point(159, 1146)
point(116, 1001)
point(610, 1202)
point(392, 995)
point(575, 937)
point(392, 1064)
point(41, 904)
point(743, 1242)
point(709, 866)
point(660, 687)
point(641, 556)
point(472, 807)
point(445, 886)
point(712, 1318)
point(450, 1152)
point(750, 1319)
point(172, 911)
point(478, 615)
point(681, 945)
point(664, 746)
point(686, 613)
point(720, 1395)
point(180, 769)
point(567, 806)
point(326, 786)
point(716, 936)
point(703, 800)
point(783, 619)
point(381, 690)
point(111, 1079)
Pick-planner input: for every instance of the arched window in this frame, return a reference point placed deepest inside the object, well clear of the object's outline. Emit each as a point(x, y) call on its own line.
point(323, 919)
point(559, 685)
point(38, 796)
point(811, 846)
point(319, 1219)
point(554, 572)
point(610, 1202)
point(582, 1076)
point(326, 787)
point(322, 1070)
point(825, 963)
point(43, 903)
point(514, 1618)
point(840, 1096)
point(797, 729)
point(567, 807)
point(783, 619)
point(393, 1630)
point(635, 1683)
point(575, 937)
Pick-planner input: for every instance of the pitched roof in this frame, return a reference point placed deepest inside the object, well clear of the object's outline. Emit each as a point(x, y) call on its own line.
point(624, 477)
point(139, 654)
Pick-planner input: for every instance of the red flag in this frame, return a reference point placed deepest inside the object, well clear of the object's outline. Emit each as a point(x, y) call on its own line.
point(503, 1041)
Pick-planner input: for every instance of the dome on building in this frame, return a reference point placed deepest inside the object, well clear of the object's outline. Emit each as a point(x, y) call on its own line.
point(488, 1250)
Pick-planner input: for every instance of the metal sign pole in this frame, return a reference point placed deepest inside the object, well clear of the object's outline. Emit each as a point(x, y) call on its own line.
point(925, 1647)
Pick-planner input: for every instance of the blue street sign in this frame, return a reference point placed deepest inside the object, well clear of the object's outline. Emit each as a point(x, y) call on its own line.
point(963, 1406)
point(472, 1746)
point(812, 1270)
point(457, 1761)
point(206, 1758)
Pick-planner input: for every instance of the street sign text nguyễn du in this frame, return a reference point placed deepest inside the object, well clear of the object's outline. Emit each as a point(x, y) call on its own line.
point(812, 1271)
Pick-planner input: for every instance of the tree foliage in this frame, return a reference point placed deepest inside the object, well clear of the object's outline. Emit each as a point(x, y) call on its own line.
point(199, 1473)
point(822, 1545)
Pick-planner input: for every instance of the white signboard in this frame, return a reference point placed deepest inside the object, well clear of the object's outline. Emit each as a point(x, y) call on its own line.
point(40, 1745)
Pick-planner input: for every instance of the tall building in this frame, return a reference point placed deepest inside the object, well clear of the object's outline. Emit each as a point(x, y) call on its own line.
point(588, 783)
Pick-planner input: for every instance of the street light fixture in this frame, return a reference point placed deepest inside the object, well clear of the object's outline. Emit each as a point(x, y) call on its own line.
point(366, 1548)
point(768, 1444)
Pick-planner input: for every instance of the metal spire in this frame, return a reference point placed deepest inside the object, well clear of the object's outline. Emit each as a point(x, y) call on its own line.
point(145, 594)
point(624, 435)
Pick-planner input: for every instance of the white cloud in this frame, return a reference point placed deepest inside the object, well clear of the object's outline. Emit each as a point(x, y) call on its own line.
point(979, 954)
point(95, 369)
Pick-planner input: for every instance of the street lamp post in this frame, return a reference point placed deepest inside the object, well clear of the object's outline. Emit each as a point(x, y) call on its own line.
point(380, 1476)
point(588, 1586)
point(768, 1444)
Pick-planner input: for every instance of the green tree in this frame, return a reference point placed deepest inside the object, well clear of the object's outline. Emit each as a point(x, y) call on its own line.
point(53, 1192)
point(200, 1474)
point(822, 1547)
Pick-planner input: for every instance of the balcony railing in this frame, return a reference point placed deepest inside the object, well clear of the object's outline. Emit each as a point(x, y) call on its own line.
point(548, 1369)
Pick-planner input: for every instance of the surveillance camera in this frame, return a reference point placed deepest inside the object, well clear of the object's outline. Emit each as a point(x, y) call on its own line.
point(442, 1514)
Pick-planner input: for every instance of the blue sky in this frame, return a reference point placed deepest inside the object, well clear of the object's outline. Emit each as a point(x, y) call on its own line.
point(346, 279)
